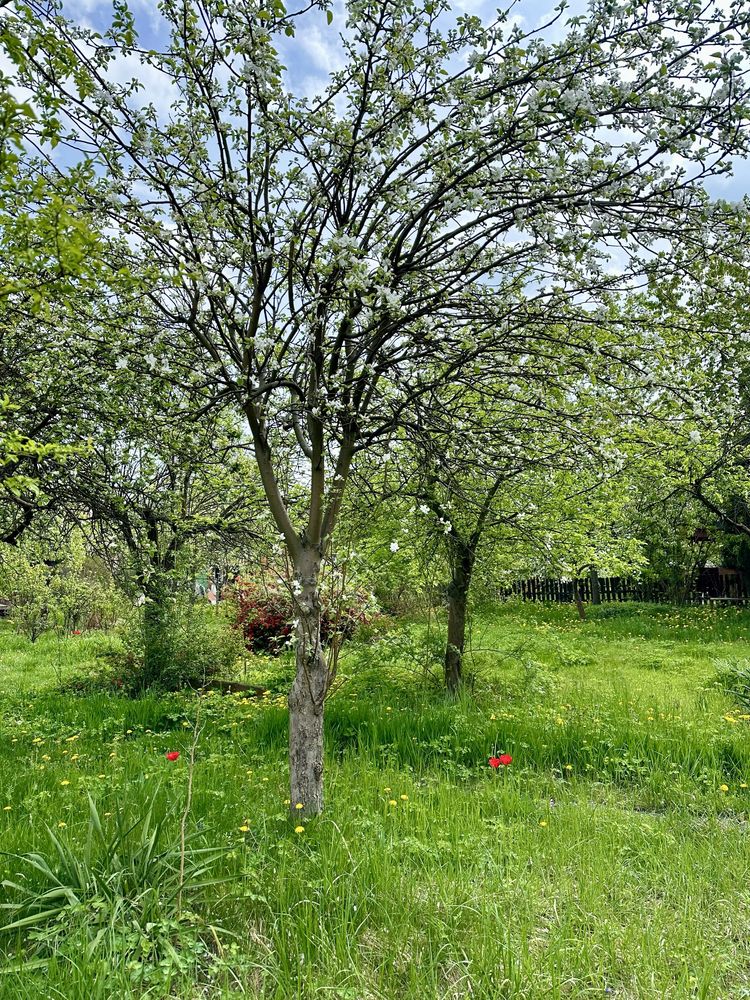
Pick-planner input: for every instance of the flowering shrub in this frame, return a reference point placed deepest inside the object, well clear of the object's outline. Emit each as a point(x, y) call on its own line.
point(266, 614)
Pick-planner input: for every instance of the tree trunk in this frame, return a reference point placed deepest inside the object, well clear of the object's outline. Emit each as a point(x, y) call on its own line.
point(157, 633)
point(458, 594)
point(579, 600)
point(307, 696)
point(596, 592)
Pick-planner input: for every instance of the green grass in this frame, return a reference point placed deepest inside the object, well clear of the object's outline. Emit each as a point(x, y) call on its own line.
point(610, 859)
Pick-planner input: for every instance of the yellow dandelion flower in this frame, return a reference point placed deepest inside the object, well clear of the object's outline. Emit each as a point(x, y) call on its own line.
point(743, 784)
point(299, 805)
point(543, 822)
point(404, 798)
point(723, 788)
point(65, 782)
point(101, 775)
point(299, 829)
point(387, 789)
point(62, 824)
point(244, 829)
point(392, 802)
point(568, 767)
point(7, 808)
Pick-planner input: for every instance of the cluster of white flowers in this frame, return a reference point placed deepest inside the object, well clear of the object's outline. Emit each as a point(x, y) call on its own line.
point(388, 297)
point(104, 97)
point(575, 99)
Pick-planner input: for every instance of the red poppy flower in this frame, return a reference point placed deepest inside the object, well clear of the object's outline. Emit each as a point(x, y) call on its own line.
point(505, 759)
point(172, 755)
point(495, 762)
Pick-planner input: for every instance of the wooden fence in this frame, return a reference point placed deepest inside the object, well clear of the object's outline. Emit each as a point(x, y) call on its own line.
point(714, 585)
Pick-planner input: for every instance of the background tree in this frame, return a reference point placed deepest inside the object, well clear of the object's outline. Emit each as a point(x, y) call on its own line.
point(150, 490)
point(49, 254)
point(518, 452)
point(694, 446)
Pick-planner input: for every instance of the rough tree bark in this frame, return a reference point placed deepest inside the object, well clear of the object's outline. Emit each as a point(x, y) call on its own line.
point(458, 595)
point(307, 696)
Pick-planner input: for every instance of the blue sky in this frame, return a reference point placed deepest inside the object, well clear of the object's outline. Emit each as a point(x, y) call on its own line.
point(318, 49)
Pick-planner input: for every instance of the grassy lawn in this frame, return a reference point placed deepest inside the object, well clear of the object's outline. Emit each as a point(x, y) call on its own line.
point(610, 859)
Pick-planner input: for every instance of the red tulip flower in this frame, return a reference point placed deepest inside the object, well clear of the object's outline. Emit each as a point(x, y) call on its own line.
point(503, 760)
point(172, 755)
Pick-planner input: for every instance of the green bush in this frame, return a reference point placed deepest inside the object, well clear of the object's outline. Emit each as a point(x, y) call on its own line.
point(197, 642)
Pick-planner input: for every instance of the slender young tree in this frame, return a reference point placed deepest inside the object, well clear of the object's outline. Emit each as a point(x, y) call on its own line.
point(311, 251)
